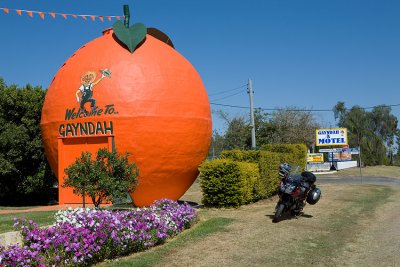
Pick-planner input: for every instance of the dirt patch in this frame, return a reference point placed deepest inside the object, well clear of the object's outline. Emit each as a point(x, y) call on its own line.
point(378, 242)
point(335, 232)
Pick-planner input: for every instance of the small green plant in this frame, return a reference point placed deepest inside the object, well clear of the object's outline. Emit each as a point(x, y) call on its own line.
point(108, 177)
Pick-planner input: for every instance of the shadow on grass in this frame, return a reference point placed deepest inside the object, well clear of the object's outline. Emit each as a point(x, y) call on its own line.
point(129, 206)
point(191, 203)
point(288, 216)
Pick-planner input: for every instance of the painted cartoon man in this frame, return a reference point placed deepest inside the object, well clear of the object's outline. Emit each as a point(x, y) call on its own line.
point(85, 91)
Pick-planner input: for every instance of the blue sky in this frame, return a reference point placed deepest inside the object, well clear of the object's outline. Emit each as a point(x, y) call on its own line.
point(307, 54)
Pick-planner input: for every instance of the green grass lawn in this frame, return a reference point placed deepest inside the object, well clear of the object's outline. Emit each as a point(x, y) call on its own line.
point(331, 225)
point(16, 208)
point(40, 217)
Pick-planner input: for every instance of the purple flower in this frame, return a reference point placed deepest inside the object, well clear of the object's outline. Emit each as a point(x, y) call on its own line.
point(86, 236)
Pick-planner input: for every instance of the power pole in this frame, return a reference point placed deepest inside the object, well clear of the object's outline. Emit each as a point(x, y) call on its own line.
point(252, 124)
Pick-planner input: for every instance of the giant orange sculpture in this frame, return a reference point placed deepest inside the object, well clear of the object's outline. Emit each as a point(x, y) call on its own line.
point(149, 101)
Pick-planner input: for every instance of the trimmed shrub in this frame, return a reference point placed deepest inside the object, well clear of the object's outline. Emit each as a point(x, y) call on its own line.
point(241, 155)
point(268, 160)
point(252, 156)
point(294, 154)
point(228, 183)
point(225, 174)
point(269, 173)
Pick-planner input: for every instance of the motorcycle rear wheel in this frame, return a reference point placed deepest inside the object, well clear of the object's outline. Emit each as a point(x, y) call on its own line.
point(278, 213)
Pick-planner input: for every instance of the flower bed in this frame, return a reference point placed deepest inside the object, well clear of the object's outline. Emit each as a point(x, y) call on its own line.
point(81, 237)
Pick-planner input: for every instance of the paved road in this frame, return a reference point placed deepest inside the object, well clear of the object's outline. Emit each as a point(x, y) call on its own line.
point(322, 179)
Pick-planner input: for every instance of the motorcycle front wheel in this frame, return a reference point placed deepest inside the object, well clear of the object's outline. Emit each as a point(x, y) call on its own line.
point(278, 213)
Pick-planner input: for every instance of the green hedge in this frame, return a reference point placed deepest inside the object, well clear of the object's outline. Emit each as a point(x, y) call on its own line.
point(241, 155)
point(268, 159)
point(253, 156)
point(222, 180)
point(228, 183)
point(273, 156)
point(294, 154)
point(269, 173)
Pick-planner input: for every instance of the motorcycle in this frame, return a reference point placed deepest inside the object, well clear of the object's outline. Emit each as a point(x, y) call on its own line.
point(295, 190)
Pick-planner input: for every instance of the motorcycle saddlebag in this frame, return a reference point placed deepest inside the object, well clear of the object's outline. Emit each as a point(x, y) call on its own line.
point(309, 177)
point(313, 196)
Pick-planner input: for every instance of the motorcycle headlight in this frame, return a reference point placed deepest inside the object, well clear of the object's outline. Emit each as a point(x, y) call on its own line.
point(289, 188)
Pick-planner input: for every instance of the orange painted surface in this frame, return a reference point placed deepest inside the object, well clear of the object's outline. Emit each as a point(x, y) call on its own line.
point(154, 104)
point(68, 150)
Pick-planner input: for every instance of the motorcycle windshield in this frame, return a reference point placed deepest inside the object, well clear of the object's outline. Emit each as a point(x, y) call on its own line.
point(289, 188)
point(294, 179)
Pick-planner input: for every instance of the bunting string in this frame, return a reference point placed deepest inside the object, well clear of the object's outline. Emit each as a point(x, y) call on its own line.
point(42, 14)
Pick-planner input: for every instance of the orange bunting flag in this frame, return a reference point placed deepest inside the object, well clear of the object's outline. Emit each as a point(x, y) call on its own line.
point(64, 15)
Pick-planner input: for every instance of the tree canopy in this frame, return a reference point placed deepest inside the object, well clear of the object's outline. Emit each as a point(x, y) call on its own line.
point(289, 126)
point(285, 126)
point(25, 176)
point(107, 177)
point(374, 131)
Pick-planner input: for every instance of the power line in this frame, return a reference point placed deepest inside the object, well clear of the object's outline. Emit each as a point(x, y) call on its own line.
point(229, 95)
point(305, 110)
point(288, 109)
point(269, 109)
point(394, 105)
point(231, 106)
point(227, 91)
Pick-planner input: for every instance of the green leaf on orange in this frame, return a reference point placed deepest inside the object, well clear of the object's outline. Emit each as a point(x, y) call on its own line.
point(131, 36)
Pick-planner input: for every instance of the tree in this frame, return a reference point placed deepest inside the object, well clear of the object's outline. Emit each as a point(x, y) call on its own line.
point(356, 121)
point(108, 177)
point(397, 157)
point(25, 176)
point(373, 150)
point(384, 125)
point(375, 132)
point(265, 130)
point(217, 145)
point(238, 132)
point(284, 126)
point(291, 126)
